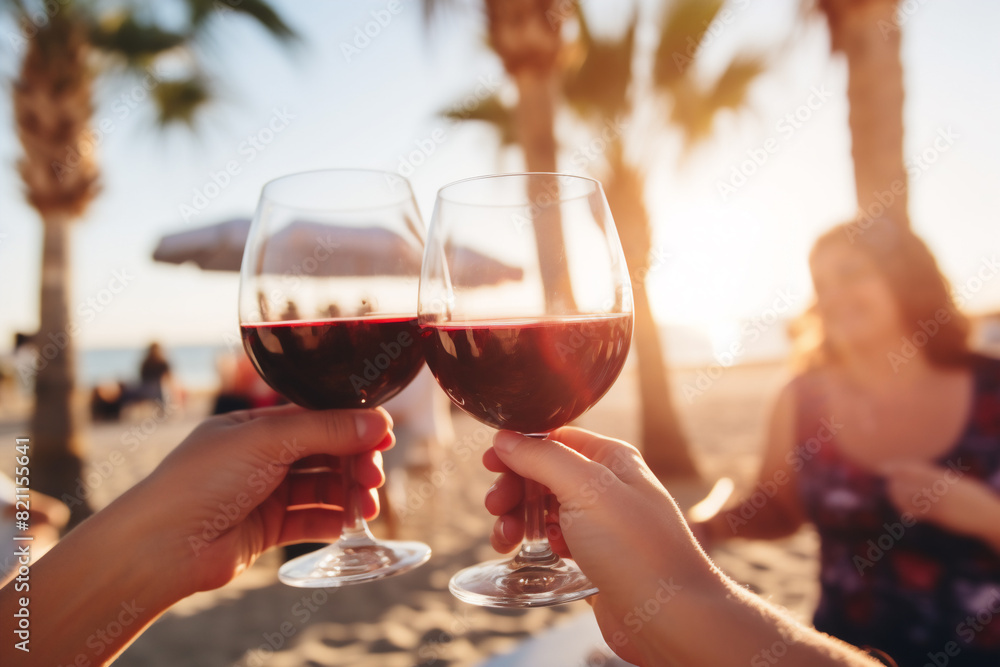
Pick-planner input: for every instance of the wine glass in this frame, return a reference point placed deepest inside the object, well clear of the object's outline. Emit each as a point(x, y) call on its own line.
point(526, 337)
point(328, 291)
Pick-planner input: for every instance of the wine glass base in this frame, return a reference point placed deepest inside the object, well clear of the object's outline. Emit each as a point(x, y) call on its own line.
point(338, 565)
point(504, 583)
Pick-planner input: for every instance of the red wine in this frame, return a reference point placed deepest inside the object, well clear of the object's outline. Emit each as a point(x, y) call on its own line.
point(530, 376)
point(337, 363)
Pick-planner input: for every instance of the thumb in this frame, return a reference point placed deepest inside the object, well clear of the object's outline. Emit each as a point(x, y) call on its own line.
point(278, 433)
point(563, 470)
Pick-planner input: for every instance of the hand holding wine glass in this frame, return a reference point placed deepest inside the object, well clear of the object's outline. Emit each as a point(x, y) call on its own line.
point(529, 352)
point(327, 312)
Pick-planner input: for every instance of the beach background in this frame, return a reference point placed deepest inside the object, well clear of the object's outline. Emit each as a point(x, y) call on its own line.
point(730, 199)
point(412, 619)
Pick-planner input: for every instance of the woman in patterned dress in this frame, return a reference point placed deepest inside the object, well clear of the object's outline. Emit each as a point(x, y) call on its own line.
point(889, 444)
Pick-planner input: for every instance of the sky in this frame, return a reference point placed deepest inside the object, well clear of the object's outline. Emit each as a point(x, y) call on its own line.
point(719, 258)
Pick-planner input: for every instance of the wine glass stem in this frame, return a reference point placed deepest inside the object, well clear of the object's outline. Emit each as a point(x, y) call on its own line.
point(355, 529)
point(535, 549)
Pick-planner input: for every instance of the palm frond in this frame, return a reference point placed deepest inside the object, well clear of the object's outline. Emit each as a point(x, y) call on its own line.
point(695, 108)
point(180, 100)
point(488, 110)
point(263, 13)
point(200, 11)
point(681, 33)
point(600, 84)
point(123, 35)
point(731, 88)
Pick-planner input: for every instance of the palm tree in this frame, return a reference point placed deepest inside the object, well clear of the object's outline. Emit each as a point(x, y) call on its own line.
point(866, 33)
point(53, 110)
point(527, 36)
point(603, 89)
point(596, 79)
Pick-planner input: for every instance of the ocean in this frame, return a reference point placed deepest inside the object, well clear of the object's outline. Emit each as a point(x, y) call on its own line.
point(194, 366)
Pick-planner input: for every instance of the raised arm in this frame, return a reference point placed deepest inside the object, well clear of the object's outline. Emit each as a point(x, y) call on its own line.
point(219, 500)
point(772, 508)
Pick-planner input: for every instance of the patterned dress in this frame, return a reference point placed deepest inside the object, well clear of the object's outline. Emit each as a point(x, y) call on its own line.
point(919, 593)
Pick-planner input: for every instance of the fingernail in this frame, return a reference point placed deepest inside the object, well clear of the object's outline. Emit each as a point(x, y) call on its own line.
point(502, 528)
point(361, 424)
point(505, 441)
point(492, 488)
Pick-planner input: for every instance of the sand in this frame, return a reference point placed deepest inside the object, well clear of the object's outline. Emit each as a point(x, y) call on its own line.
point(412, 619)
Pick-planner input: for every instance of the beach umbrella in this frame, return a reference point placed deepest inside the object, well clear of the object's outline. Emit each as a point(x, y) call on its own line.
point(219, 247)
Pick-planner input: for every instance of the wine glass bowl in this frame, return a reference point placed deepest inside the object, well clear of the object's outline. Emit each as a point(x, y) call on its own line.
point(527, 340)
point(328, 289)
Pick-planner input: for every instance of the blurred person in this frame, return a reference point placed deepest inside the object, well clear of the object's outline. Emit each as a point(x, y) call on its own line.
point(889, 444)
point(150, 548)
point(240, 386)
point(25, 360)
point(154, 374)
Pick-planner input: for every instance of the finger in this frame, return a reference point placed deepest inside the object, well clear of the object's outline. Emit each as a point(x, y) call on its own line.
point(293, 434)
point(553, 531)
point(508, 530)
point(563, 470)
point(622, 458)
point(493, 462)
point(506, 493)
point(313, 489)
point(368, 470)
point(314, 524)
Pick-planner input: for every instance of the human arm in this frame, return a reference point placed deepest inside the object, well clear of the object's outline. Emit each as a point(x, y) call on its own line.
point(218, 501)
point(662, 601)
point(772, 509)
point(947, 497)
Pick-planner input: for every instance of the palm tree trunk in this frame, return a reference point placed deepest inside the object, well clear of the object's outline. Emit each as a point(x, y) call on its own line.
point(56, 442)
point(866, 32)
point(664, 445)
point(535, 118)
